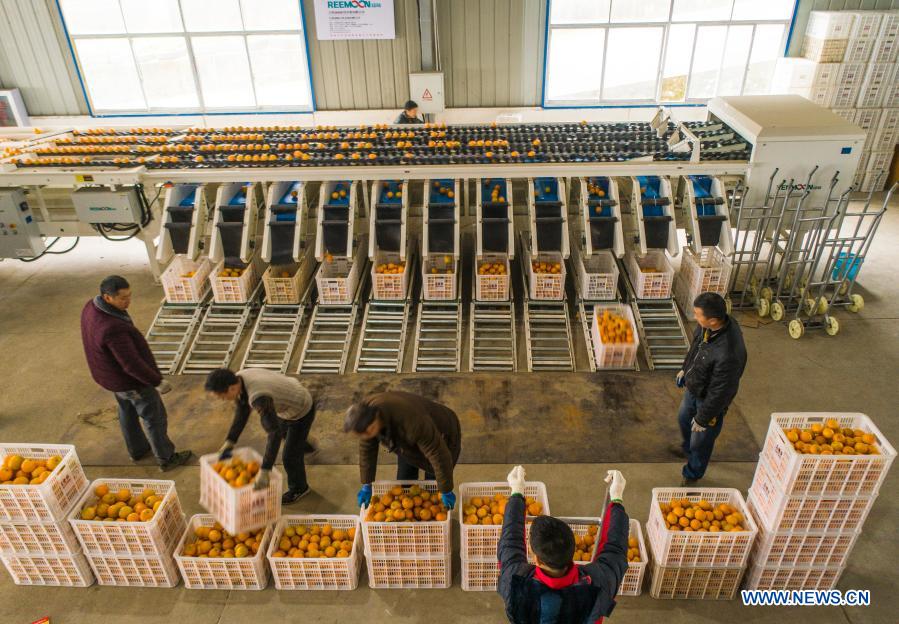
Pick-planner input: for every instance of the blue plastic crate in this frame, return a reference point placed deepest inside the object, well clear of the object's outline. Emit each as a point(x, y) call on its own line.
point(846, 266)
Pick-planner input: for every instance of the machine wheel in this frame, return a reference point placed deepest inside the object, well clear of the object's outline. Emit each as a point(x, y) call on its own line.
point(777, 311)
point(810, 305)
point(762, 307)
point(796, 329)
point(858, 303)
point(766, 293)
point(833, 326)
point(823, 305)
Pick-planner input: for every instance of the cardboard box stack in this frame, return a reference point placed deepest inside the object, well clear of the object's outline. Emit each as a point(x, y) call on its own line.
point(850, 64)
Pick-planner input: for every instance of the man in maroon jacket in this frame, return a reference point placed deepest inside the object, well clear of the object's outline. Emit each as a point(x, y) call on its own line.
point(120, 360)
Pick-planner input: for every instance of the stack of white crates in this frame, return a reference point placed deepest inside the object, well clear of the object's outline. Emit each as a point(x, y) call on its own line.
point(810, 508)
point(850, 65)
point(37, 544)
point(707, 271)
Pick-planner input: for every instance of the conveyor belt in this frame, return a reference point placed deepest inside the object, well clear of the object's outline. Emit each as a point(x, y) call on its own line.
point(171, 331)
point(492, 336)
point(438, 337)
point(218, 336)
point(328, 340)
point(274, 337)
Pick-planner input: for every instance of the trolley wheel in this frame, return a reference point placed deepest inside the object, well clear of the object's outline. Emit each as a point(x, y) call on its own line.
point(766, 293)
point(796, 329)
point(762, 307)
point(777, 311)
point(753, 282)
point(833, 326)
point(754, 289)
point(788, 280)
point(810, 306)
point(844, 287)
point(823, 305)
point(729, 304)
point(858, 303)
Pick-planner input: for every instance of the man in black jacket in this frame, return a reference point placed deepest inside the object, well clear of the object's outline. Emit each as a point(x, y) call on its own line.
point(711, 374)
point(556, 591)
point(409, 114)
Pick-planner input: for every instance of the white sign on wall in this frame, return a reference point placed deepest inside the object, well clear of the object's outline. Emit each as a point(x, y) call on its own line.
point(354, 19)
point(426, 89)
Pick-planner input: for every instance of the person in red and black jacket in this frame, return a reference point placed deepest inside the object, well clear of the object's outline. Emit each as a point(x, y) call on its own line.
point(556, 591)
point(120, 361)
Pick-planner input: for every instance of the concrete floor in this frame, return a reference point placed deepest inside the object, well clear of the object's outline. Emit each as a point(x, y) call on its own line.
point(48, 396)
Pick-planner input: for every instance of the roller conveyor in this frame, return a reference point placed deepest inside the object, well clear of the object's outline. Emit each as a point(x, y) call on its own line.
point(492, 336)
point(438, 337)
point(171, 332)
point(383, 338)
point(328, 339)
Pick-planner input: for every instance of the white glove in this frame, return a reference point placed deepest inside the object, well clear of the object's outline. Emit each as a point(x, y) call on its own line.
point(616, 489)
point(516, 480)
point(164, 387)
point(696, 427)
point(261, 481)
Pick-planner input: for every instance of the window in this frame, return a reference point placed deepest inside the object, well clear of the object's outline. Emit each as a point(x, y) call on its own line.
point(183, 56)
point(661, 51)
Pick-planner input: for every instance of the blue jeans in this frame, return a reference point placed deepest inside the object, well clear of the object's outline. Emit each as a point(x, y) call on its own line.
point(697, 445)
point(144, 424)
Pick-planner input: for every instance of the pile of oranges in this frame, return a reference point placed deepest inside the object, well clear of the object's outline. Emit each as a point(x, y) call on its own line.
point(339, 192)
point(232, 272)
point(188, 274)
point(495, 196)
point(546, 267)
point(236, 472)
point(583, 544)
point(492, 268)
point(444, 190)
point(402, 505)
point(488, 510)
point(701, 516)
point(614, 329)
point(831, 439)
point(214, 542)
point(17, 470)
point(447, 268)
point(316, 542)
point(595, 190)
point(633, 550)
point(390, 268)
point(121, 506)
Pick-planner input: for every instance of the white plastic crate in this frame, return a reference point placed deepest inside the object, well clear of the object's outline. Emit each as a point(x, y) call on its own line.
point(179, 286)
point(830, 24)
point(789, 549)
point(597, 274)
point(220, 573)
point(233, 289)
point(281, 290)
point(129, 571)
point(878, 80)
point(439, 286)
point(891, 97)
point(49, 501)
point(823, 50)
point(820, 94)
point(156, 537)
point(704, 550)
point(492, 287)
point(868, 119)
point(708, 271)
point(842, 95)
point(858, 50)
point(406, 539)
point(874, 181)
point(389, 286)
point(480, 541)
point(799, 73)
point(579, 526)
point(684, 298)
point(336, 279)
point(654, 283)
point(614, 355)
point(776, 511)
point(239, 509)
point(792, 578)
point(32, 538)
point(61, 570)
point(317, 574)
point(695, 583)
point(887, 133)
point(886, 49)
point(409, 572)
point(844, 475)
point(632, 583)
point(546, 286)
point(479, 574)
point(865, 26)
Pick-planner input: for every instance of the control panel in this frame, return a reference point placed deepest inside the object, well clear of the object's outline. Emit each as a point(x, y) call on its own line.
point(20, 236)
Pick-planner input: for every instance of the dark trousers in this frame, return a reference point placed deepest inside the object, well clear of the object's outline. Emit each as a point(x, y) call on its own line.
point(407, 472)
point(144, 424)
point(697, 445)
point(296, 435)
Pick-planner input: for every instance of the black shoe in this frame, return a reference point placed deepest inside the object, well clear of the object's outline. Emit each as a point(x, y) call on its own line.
point(685, 482)
point(178, 459)
point(677, 450)
point(143, 456)
point(291, 496)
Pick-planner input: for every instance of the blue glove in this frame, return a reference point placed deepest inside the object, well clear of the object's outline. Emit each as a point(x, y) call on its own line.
point(448, 500)
point(679, 381)
point(364, 495)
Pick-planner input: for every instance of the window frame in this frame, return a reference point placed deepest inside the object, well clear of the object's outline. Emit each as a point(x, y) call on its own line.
point(188, 37)
point(788, 24)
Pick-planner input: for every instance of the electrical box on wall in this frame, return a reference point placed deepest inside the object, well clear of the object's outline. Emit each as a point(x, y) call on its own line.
point(101, 205)
point(426, 88)
point(20, 236)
